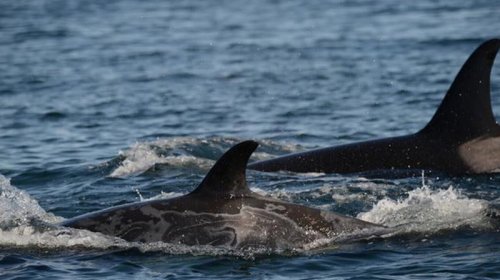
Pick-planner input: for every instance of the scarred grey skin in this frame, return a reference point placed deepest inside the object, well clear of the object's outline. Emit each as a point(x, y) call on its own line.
point(222, 211)
point(462, 137)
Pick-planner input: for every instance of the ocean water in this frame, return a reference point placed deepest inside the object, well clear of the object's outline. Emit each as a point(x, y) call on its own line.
point(109, 102)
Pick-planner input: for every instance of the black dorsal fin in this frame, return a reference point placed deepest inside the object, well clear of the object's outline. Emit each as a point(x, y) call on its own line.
point(227, 178)
point(465, 112)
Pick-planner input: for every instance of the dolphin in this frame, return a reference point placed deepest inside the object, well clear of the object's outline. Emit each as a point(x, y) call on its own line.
point(462, 137)
point(223, 211)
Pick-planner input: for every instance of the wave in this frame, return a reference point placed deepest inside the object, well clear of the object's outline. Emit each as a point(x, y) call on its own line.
point(186, 152)
point(142, 157)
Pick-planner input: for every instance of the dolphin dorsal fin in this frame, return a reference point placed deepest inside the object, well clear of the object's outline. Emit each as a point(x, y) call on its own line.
point(227, 178)
point(465, 112)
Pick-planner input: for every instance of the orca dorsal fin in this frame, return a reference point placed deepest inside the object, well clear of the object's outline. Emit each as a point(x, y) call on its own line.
point(465, 112)
point(227, 178)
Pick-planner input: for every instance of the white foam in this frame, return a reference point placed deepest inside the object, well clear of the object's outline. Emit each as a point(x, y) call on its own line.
point(29, 236)
point(24, 223)
point(18, 207)
point(142, 156)
point(427, 210)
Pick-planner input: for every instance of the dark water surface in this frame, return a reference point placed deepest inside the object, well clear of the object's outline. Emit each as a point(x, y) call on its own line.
point(108, 102)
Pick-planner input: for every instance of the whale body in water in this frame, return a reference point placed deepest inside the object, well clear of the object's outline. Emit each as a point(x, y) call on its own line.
point(223, 211)
point(462, 137)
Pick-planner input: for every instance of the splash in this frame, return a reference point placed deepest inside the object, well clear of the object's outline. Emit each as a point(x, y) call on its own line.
point(24, 223)
point(428, 211)
point(18, 208)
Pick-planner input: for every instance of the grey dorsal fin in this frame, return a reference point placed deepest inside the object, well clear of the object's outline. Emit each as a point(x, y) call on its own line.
point(227, 178)
point(465, 112)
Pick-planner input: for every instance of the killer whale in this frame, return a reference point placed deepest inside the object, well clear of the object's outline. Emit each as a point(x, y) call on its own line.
point(223, 211)
point(461, 138)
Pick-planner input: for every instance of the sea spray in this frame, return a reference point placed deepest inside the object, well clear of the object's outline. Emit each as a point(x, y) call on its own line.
point(428, 210)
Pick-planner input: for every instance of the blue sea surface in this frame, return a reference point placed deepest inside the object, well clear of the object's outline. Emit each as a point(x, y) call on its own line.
point(109, 102)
